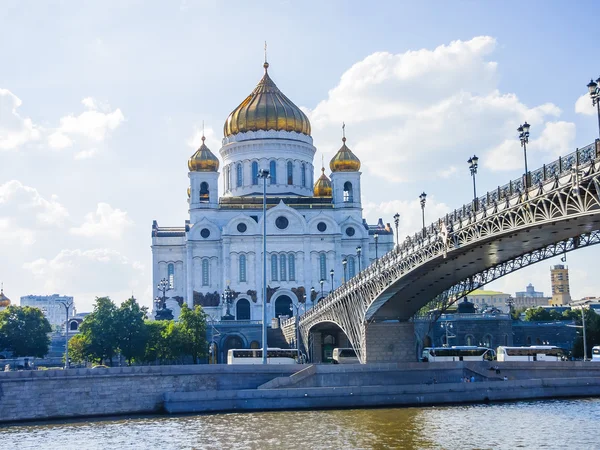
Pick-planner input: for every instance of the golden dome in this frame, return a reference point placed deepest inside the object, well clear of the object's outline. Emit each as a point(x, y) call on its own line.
point(266, 108)
point(203, 160)
point(189, 192)
point(4, 300)
point(323, 185)
point(344, 160)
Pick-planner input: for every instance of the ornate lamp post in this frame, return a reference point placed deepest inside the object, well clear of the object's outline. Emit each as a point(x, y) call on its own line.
point(67, 306)
point(344, 264)
point(322, 281)
point(396, 222)
point(376, 238)
point(358, 252)
point(524, 138)
point(595, 94)
point(423, 199)
point(473, 164)
point(264, 174)
point(312, 296)
point(331, 273)
point(162, 312)
point(227, 297)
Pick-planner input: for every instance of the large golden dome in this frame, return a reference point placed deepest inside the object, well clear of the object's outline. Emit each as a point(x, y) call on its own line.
point(266, 108)
point(344, 160)
point(203, 160)
point(323, 185)
point(4, 300)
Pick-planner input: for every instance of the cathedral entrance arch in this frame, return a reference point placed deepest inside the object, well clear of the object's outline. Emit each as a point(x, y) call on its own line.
point(242, 309)
point(231, 341)
point(283, 306)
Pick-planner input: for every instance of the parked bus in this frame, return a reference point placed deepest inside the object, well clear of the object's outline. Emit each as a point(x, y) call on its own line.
point(533, 353)
point(458, 353)
point(596, 353)
point(254, 356)
point(344, 356)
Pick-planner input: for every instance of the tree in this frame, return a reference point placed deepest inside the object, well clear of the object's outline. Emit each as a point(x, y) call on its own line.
point(165, 342)
point(193, 330)
point(100, 330)
point(154, 342)
point(592, 330)
point(540, 314)
point(24, 331)
point(132, 332)
point(78, 352)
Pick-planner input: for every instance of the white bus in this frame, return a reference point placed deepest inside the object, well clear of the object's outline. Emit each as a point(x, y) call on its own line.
point(533, 353)
point(344, 356)
point(458, 353)
point(596, 353)
point(254, 356)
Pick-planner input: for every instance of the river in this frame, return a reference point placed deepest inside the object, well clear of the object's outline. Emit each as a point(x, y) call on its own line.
point(550, 424)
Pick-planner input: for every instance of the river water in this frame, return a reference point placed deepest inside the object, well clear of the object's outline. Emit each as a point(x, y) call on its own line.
point(554, 424)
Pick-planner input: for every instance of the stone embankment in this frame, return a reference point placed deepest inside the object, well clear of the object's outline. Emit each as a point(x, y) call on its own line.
point(41, 395)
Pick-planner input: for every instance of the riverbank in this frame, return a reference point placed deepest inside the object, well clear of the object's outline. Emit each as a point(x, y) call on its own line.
point(57, 394)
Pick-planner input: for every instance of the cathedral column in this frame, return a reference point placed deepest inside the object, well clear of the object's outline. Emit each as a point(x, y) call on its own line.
point(189, 277)
point(225, 260)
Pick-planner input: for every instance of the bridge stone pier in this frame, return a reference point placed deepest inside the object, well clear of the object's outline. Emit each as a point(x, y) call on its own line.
point(390, 342)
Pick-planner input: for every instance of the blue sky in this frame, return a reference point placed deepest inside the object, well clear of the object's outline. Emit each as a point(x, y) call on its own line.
point(101, 104)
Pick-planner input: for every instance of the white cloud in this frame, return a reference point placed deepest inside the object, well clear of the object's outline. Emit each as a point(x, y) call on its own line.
point(105, 222)
point(583, 105)
point(86, 154)
point(447, 173)
point(94, 125)
point(14, 129)
point(212, 141)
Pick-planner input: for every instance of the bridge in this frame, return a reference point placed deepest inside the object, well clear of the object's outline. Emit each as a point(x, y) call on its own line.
point(555, 210)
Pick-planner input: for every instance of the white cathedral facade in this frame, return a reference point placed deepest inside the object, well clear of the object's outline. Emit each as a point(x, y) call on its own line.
point(314, 229)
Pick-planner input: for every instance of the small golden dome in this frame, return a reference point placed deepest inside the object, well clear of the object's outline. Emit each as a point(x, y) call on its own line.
point(4, 300)
point(189, 192)
point(323, 185)
point(203, 160)
point(344, 160)
point(266, 108)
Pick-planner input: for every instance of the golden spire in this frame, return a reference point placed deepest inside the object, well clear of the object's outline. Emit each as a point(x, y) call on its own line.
point(344, 160)
point(266, 64)
point(323, 186)
point(203, 160)
point(4, 300)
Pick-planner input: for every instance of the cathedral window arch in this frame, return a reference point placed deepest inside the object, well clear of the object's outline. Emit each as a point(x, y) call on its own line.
point(274, 276)
point(205, 272)
point(273, 171)
point(254, 173)
point(204, 192)
point(303, 175)
point(242, 268)
point(239, 174)
point(323, 266)
point(282, 267)
point(290, 173)
point(171, 275)
point(348, 197)
point(351, 266)
point(292, 266)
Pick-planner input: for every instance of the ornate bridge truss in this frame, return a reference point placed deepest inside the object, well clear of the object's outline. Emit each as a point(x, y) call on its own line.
point(503, 231)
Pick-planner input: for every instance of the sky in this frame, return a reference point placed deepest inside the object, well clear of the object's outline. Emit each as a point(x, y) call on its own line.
point(102, 104)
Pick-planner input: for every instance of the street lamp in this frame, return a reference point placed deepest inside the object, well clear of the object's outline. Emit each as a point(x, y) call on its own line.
point(595, 94)
point(582, 307)
point(312, 296)
point(67, 305)
point(473, 168)
point(358, 252)
point(297, 307)
point(396, 222)
point(331, 273)
point(524, 138)
point(344, 263)
point(376, 238)
point(162, 312)
point(264, 174)
point(423, 199)
point(322, 281)
point(227, 299)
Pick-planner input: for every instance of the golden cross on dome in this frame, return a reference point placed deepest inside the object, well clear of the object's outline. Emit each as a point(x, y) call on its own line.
point(323, 161)
point(343, 131)
point(265, 51)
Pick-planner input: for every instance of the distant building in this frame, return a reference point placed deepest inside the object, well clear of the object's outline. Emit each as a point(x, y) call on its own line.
point(530, 298)
point(559, 276)
point(489, 299)
point(51, 306)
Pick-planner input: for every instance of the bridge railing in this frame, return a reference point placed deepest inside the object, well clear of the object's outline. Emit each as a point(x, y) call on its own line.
point(564, 165)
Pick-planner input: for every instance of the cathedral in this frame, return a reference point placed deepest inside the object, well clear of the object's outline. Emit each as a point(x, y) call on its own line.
point(316, 235)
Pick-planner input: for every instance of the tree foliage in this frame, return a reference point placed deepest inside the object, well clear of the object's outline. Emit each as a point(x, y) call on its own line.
point(540, 314)
point(24, 331)
point(78, 349)
point(132, 333)
point(193, 330)
point(592, 330)
point(100, 331)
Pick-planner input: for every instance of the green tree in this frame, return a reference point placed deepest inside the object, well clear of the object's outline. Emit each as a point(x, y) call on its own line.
point(172, 347)
point(100, 330)
point(592, 330)
point(154, 341)
point(540, 314)
point(24, 331)
point(132, 332)
point(193, 331)
point(78, 352)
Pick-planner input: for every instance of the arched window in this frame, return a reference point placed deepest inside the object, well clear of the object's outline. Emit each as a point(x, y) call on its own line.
point(274, 267)
point(239, 175)
point(348, 192)
point(273, 172)
point(73, 326)
point(204, 192)
point(303, 175)
point(282, 268)
point(323, 266)
point(292, 266)
point(487, 341)
point(242, 268)
point(242, 309)
point(171, 275)
point(205, 272)
point(254, 172)
point(290, 172)
point(469, 339)
point(351, 266)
